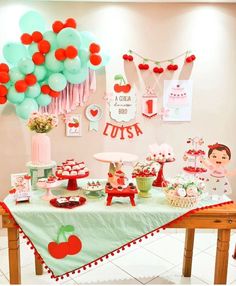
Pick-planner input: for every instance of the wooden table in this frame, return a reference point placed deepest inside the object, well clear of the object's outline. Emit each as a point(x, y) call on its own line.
point(222, 218)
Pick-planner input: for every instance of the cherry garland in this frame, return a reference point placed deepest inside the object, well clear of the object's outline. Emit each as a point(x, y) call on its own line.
point(158, 69)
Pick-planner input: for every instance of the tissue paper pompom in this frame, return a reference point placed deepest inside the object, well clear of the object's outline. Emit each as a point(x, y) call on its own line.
point(38, 58)
point(21, 86)
point(54, 93)
point(70, 23)
point(44, 46)
point(3, 90)
point(37, 36)
point(30, 79)
point(95, 59)
point(45, 89)
point(71, 52)
point(60, 54)
point(57, 26)
point(4, 77)
point(26, 39)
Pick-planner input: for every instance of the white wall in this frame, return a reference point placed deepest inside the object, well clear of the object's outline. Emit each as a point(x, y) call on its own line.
point(154, 30)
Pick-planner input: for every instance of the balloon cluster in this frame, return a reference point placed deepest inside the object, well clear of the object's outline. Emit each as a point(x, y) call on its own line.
point(45, 61)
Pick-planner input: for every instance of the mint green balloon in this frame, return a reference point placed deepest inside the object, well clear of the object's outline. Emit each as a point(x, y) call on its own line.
point(57, 81)
point(33, 91)
point(13, 52)
point(68, 37)
point(32, 21)
point(40, 72)
point(72, 65)
point(25, 108)
point(78, 77)
point(15, 97)
point(33, 48)
point(43, 100)
point(15, 74)
point(26, 66)
point(52, 63)
point(51, 37)
point(86, 39)
point(84, 56)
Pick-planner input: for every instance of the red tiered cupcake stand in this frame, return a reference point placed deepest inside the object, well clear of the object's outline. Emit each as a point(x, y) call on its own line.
point(160, 180)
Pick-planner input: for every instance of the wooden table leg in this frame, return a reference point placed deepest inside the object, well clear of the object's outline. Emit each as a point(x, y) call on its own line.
point(38, 267)
point(188, 252)
point(222, 255)
point(234, 255)
point(14, 256)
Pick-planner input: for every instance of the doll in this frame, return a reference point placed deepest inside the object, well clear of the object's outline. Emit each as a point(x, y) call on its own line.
point(219, 156)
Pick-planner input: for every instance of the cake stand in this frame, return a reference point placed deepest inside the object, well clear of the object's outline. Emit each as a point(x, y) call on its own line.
point(48, 187)
point(160, 180)
point(72, 180)
point(115, 159)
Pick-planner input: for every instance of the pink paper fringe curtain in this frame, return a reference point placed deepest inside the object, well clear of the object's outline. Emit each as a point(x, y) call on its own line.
point(72, 96)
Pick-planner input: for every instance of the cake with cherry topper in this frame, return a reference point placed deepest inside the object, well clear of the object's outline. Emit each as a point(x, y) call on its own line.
point(72, 170)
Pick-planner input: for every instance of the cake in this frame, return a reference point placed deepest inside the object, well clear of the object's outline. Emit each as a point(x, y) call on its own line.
point(177, 97)
point(161, 153)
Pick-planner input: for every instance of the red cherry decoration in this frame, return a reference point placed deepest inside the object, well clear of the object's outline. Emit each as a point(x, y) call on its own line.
point(141, 66)
point(54, 93)
point(3, 99)
point(3, 90)
point(170, 67)
point(60, 54)
point(94, 48)
point(26, 39)
point(175, 67)
point(125, 57)
point(44, 46)
point(38, 58)
point(45, 89)
point(145, 66)
point(4, 77)
point(37, 36)
point(21, 86)
point(158, 70)
point(70, 23)
point(57, 26)
point(95, 59)
point(130, 58)
point(193, 57)
point(30, 79)
point(71, 52)
point(4, 67)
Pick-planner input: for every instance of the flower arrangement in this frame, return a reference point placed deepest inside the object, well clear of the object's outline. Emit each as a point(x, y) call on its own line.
point(42, 122)
point(145, 169)
point(183, 186)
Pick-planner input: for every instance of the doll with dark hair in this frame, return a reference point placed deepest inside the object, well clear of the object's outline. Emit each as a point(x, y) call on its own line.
point(219, 156)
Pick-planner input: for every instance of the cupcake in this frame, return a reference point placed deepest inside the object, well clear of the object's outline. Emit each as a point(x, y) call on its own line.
point(73, 173)
point(65, 173)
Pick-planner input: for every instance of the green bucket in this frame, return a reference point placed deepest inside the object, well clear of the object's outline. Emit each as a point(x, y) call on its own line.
point(144, 185)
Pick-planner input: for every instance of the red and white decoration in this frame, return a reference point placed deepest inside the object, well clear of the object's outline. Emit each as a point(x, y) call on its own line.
point(122, 132)
point(149, 103)
point(73, 125)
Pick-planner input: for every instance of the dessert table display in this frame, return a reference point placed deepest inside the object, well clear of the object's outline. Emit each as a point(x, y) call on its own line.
point(71, 171)
point(92, 223)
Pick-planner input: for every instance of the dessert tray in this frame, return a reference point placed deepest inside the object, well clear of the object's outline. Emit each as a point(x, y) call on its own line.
point(68, 202)
point(94, 189)
point(48, 184)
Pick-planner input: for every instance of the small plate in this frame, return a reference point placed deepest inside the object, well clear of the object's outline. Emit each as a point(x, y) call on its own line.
point(68, 205)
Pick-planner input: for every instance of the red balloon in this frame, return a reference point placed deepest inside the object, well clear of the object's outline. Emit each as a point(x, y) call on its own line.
point(21, 86)
point(54, 93)
point(45, 89)
point(71, 52)
point(30, 79)
point(60, 54)
point(94, 48)
point(37, 36)
point(26, 39)
point(38, 58)
point(57, 26)
point(44, 46)
point(3, 99)
point(95, 59)
point(3, 90)
point(4, 67)
point(70, 22)
point(4, 77)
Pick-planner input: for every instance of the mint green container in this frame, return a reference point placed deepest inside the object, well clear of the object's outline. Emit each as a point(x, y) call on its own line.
point(144, 185)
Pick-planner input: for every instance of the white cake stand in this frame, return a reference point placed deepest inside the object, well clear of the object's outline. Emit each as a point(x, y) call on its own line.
point(48, 187)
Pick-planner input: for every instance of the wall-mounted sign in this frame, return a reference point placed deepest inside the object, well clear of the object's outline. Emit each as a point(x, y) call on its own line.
point(122, 132)
point(94, 114)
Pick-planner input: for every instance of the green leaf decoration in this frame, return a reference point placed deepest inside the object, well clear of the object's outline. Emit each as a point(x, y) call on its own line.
point(68, 228)
point(118, 76)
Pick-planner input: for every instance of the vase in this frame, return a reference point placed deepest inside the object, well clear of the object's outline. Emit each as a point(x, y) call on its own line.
point(41, 149)
point(144, 185)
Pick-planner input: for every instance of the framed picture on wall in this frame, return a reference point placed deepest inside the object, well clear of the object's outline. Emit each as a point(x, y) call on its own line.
point(73, 125)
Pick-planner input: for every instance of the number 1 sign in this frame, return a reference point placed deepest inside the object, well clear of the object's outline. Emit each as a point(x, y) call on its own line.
point(149, 103)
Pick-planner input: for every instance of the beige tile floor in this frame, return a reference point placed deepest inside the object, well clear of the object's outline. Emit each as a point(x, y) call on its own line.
point(156, 261)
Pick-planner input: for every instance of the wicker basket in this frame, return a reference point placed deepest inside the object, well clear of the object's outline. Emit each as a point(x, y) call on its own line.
point(182, 202)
